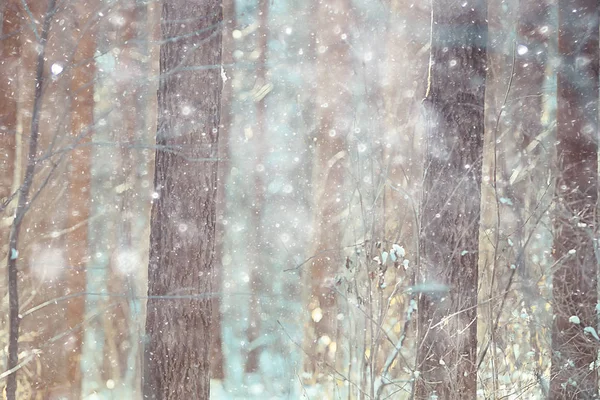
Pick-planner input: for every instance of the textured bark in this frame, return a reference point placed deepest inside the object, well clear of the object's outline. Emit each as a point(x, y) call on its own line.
point(82, 117)
point(180, 273)
point(334, 115)
point(450, 205)
point(575, 279)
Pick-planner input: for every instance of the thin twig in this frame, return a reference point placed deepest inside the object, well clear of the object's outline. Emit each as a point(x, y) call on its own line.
point(13, 283)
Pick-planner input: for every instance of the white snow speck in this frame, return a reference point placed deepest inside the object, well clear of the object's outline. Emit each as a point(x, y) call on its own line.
point(56, 69)
point(522, 49)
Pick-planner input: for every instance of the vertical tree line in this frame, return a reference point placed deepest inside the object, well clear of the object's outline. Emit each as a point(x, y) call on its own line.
point(182, 238)
point(449, 226)
point(574, 282)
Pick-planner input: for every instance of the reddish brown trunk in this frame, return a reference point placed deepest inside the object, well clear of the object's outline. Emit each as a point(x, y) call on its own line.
point(9, 63)
point(575, 279)
point(447, 337)
point(182, 240)
point(82, 117)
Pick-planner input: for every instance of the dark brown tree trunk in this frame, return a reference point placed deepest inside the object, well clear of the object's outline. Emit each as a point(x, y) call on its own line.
point(182, 240)
point(454, 103)
point(575, 279)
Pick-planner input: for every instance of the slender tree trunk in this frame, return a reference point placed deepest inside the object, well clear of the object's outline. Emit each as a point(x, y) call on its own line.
point(10, 51)
point(283, 194)
point(229, 17)
point(22, 206)
point(334, 114)
point(402, 83)
point(530, 168)
point(450, 207)
point(82, 117)
point(101, 227)
point(261, 141)
point(575, 279)
point(134, 67)
point(180, 273)
point(238, 251)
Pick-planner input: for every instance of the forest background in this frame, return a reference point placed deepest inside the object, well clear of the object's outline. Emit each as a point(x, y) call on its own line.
point(299, 199)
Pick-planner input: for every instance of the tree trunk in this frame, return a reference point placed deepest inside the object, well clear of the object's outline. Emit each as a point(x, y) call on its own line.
point(182, 240)
point(10, 51)
point(23, 204)
point(530, 167)
point(575, 279)
point(216, 358)
point(454, 102)
point(82, 117)
point(334, 113)
point(258, 262)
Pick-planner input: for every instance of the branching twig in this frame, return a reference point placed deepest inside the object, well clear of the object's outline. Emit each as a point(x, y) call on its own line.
point(13, 288)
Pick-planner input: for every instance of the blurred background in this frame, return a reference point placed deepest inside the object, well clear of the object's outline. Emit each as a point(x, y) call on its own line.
point(321, 152)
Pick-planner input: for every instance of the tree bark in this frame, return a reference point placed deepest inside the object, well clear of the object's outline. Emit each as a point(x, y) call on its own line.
point(182, 240)
point(450, 207)
point(575, 279)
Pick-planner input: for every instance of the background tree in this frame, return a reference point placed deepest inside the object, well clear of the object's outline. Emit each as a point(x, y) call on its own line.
point(575, 291)
point(454, 101)
point(334, 123)
point(23, 203)
point(10, 53)
point(78, 193)
point(179, 310)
